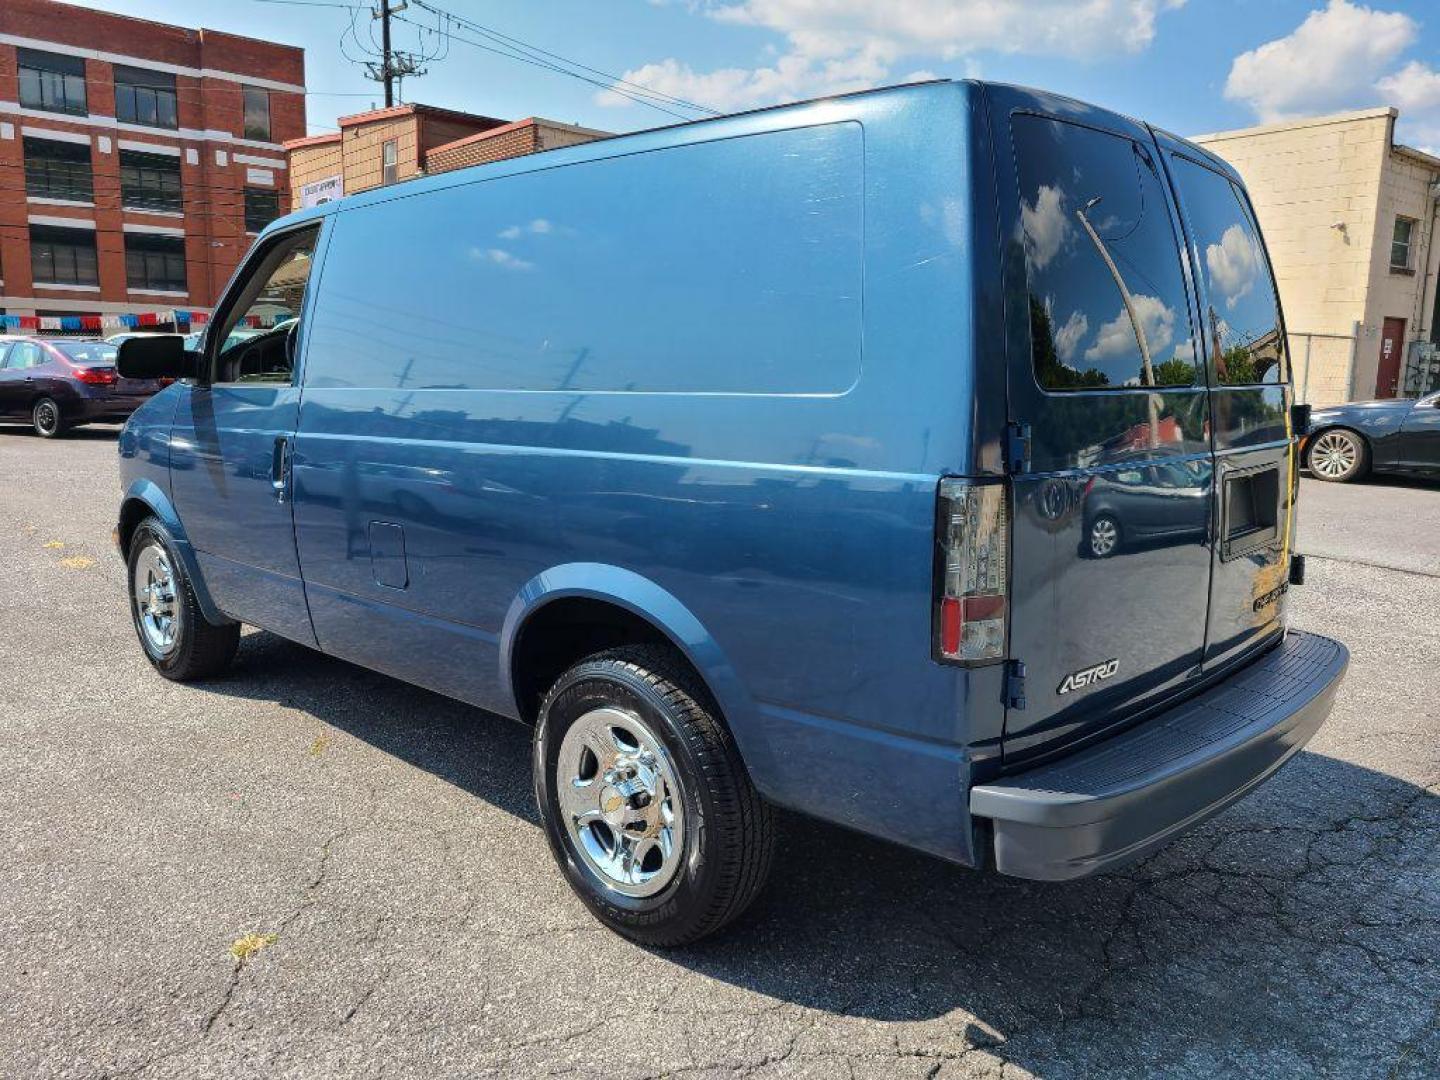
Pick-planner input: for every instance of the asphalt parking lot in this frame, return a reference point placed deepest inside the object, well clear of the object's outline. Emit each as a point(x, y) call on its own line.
point(305, 869)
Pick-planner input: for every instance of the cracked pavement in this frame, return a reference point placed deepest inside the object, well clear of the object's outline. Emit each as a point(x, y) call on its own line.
point(387, 838)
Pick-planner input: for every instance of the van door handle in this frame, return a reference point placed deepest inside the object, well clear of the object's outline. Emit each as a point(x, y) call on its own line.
point(280, 468)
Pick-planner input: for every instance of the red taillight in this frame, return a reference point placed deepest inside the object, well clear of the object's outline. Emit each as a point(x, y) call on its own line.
point(974, 527)
point(96, 376)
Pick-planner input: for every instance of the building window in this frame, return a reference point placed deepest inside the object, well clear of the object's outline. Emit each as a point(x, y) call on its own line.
point(388, 160)
point(150, 181)
point(1400, 243)
point(60, 256)
point(261, 208)
point(154, 263)
point(145, 97)
point(52, 82)
point(58, 170)
point(257, 113)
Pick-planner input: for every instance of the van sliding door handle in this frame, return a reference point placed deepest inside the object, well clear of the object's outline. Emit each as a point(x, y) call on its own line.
point(280, 468)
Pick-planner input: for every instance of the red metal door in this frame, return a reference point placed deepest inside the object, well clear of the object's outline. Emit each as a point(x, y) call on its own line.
point(1392, 346)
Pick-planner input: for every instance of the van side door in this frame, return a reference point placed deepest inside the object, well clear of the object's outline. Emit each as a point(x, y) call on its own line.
point(1110, 570)
point(1245, 351)
point(234, 430)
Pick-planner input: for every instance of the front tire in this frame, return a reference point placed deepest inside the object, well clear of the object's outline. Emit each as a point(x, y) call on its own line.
point(1337, 456)
point(646, 804)
point(177, 639)
point(45, 417)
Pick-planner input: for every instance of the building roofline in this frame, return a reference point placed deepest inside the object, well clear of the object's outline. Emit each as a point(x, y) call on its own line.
point(415, 109)
point(312, 140)
point(515, 125)
point(1376, 113)
point(78, 8)
point(1415, 154)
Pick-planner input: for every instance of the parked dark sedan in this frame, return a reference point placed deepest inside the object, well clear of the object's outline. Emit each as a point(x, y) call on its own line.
point(1400, 435)
point(55, 385)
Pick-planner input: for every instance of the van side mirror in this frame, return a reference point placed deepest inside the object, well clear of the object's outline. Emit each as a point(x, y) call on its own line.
point(156, 356)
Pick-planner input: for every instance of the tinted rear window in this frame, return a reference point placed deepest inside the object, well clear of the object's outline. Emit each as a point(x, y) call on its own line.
point(1095, 227)
point(1242, 315)
point(87, 352)
point(724, 267)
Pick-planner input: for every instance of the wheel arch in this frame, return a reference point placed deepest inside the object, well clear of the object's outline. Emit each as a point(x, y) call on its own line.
point(573, 610)
point(145, 498)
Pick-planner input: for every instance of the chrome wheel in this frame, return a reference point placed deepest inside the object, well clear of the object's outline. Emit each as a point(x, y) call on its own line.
point(1334, 455)
point(157, 608)
point(621, 801)
point(47, 417)
point(1104, 536)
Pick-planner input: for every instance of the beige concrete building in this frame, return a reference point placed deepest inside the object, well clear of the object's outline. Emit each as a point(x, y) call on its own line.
point(1349, 217)
point(386, 146)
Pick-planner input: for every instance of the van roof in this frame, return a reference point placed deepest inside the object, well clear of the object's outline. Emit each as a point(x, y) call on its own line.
point(1042, 99)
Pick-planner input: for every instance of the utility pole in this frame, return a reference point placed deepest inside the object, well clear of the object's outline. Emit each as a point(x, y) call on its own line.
point(386, 68)
point(393, 66)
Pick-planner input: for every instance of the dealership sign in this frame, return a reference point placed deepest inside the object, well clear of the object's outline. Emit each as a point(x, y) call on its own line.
point(322, 191)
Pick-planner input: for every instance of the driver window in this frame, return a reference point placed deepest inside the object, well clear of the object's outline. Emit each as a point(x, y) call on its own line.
point(258, 337)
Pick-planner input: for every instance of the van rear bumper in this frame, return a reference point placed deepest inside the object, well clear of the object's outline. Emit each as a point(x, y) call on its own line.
point(1122, 798)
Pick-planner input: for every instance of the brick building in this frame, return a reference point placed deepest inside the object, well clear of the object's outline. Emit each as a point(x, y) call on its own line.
point(137, 159)
point(385, 146)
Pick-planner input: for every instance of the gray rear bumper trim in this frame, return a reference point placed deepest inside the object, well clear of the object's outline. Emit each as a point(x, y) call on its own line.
point(1119, 800)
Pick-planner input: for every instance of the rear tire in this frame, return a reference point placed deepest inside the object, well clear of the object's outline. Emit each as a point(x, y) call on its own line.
point(173, 631)
point(1337, 456)
point(1103, 537)
point(46, 418)
point(664, 785)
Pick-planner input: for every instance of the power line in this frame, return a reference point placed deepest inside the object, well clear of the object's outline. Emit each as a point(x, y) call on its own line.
point(512, 55)
point(520, 44)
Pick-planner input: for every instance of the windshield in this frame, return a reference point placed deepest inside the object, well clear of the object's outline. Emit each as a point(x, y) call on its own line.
point(86, 352)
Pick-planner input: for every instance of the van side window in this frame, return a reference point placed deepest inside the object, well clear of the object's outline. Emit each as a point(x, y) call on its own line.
point(1108, 306)
point(1242, 318)
point(732, 266)
point(260, 328)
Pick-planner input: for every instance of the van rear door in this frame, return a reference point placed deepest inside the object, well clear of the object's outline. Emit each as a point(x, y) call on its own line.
point(1244, 334)
point(1109, 410)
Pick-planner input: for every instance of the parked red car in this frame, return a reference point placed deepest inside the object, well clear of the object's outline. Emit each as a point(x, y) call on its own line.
point(55, 385)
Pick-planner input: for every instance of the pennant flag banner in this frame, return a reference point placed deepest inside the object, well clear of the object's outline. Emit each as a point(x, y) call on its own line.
point(178, 318)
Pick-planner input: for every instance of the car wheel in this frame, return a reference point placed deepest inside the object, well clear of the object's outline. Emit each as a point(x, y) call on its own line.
point(177, 638)
point(645, 801)
point(46, 418)
point(1337, 456)
point(1103, 539)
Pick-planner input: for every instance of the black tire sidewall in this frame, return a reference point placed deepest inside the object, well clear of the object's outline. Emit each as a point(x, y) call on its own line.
point(148, 530)
point(35, 418)
point(596, 684)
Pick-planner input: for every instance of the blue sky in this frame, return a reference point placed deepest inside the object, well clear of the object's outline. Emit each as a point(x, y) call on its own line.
point(1189, 65)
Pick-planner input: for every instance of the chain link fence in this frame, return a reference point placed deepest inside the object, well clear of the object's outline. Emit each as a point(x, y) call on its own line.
point(1323, 366)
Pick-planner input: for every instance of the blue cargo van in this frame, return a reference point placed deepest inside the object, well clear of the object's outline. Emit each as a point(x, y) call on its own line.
point(922, 460)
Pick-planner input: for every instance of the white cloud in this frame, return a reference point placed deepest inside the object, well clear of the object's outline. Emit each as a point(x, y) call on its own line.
point(1069, 336)
point(502, 258)
point(1332, 60)
point(1044, 226)
point(834, 46)
point(1416, 86)
point(1234, 263)
point(539, 226)
point(1117, 337)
